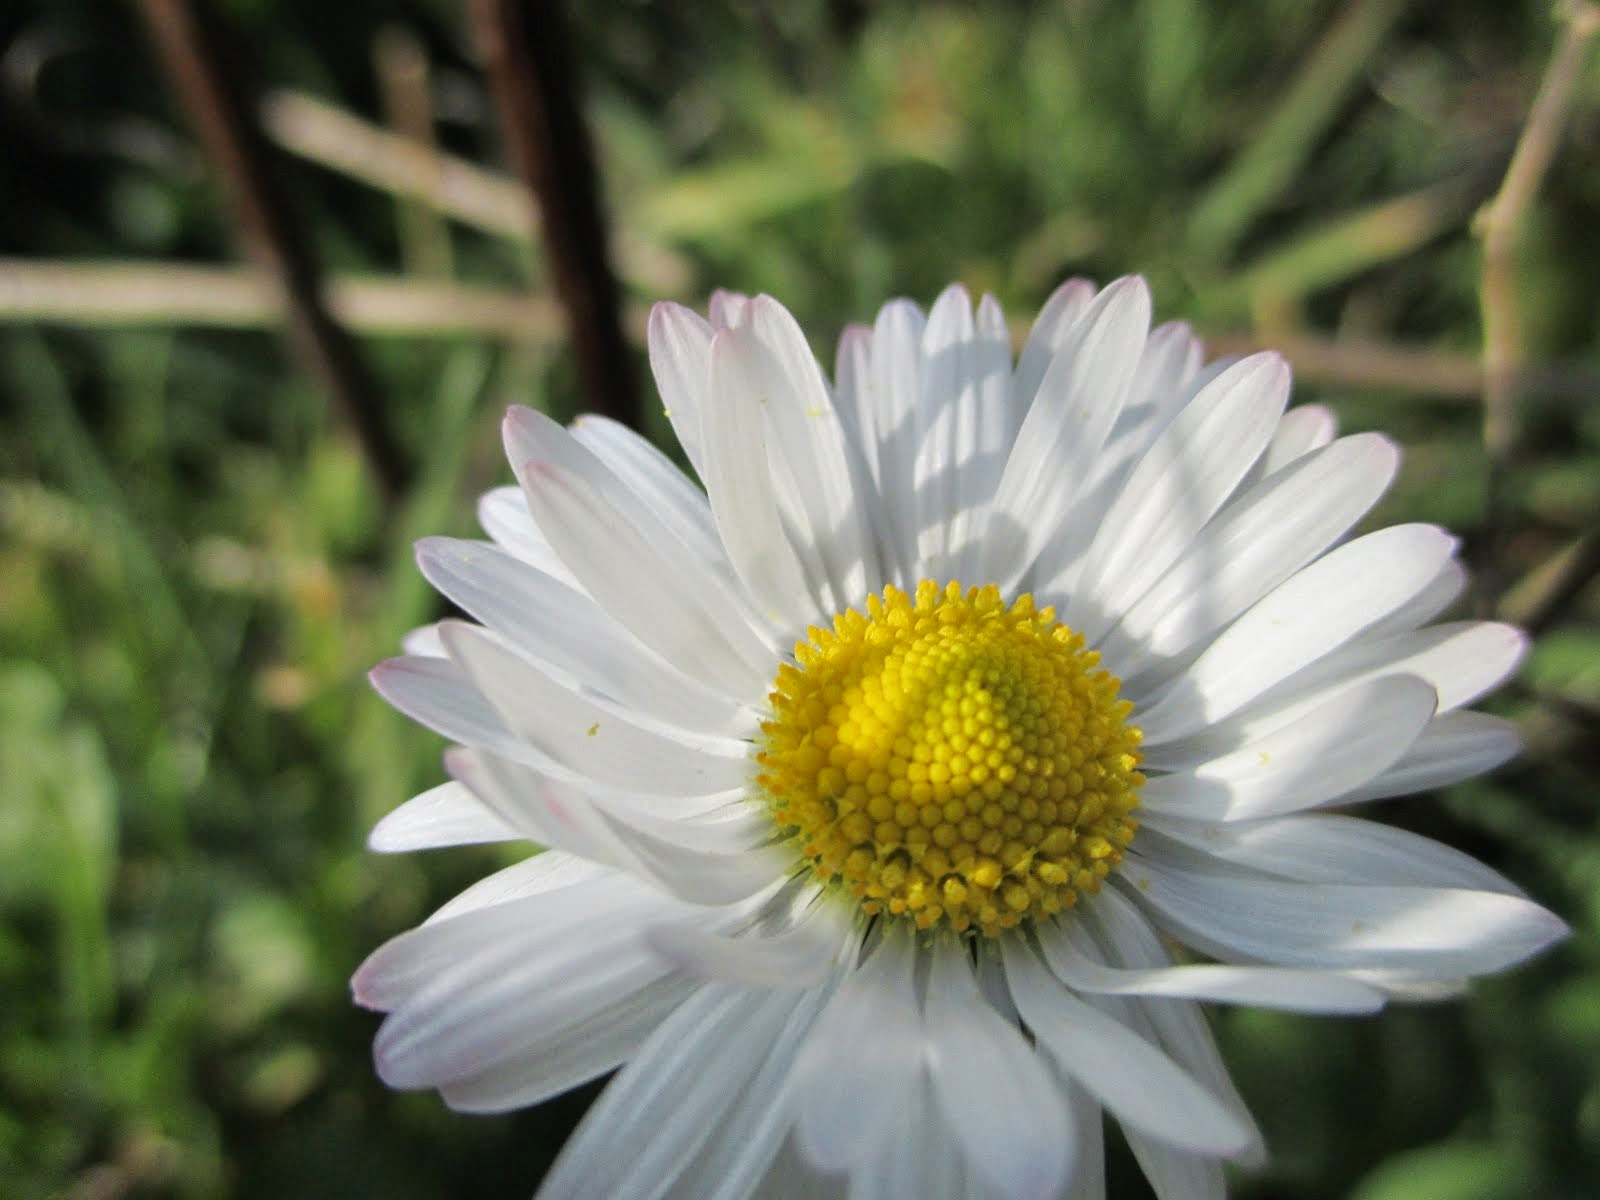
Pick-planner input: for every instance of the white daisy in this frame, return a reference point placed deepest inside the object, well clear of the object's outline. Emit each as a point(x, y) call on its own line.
point(879, 777)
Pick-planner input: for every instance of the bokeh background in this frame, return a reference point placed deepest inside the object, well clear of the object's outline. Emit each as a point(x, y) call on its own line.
point(199, 562)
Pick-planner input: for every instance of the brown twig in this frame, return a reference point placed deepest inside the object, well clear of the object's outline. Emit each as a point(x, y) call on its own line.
point(1552, 588)
point(525, 48)
point(118, 293)
point(1497, 225)
point(1347, 363)
point(141, 294)
point(402, 70)
point(209, 88)
point(1442, 374)
point(486, 200)
point(330, 136)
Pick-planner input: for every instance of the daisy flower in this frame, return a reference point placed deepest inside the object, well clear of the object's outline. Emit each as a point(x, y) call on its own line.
point(906, 789)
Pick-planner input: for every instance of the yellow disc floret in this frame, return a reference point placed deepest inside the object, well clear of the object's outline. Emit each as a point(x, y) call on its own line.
point(951, 759)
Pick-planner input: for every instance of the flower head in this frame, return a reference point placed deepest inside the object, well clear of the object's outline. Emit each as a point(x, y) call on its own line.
point(878, 777)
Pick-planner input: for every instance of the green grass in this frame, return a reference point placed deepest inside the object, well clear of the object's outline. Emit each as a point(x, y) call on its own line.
point(195, 572)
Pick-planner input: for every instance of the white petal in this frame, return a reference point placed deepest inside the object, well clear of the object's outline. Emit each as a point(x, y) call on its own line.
point(1301, 431)
point(423, 642)
point(1171, 359)
point(809, 440)
point(1049, 333)
point(917, 1158)
point(1312, 613)
point(438, 694)
point(1462, 660)
point(1178, 1028)
point(404, 966)
point(964, 430)
point(1175, 1174)
point(1131, 1077)
point(857, 404)
point(1333, 748)
point(999, 1102)
point(1056, 576)
point(1440, 932)
point(566, 818)
point(542, 871)
point(758, 1123)
point(1089, 1161)
point(1284, 988)
point(657, 481)
point(1189, 470)
point(720, 823)
point(482, 988)
point(949, 384)
point(727, 308)
point(597, 1042)
point(1166, 379)
point(566, 630)
point(503, 513)
point(896, 385)
point(739, 480)
point(670, 1098)
point(1442, 591)
point(1056, 447)
point(791, 1177)
point(632, 564)
point(1401, 986)
point(448, 815)
point(1455, 746)
point(863, 1057)
point(1254, 544)
point(591, 739)
point(800, 957)
point(1328, 848)
point(680, 357)
point(852, 394)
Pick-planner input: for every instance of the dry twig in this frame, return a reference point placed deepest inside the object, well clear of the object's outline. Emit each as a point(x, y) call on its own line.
point(483, 199)
point(211, 93)
point(1497, 226)
point(530, 65)
point(1551, 589)
point(139, 294)
point(124, 293)
point(334, 138)
point(403, 78)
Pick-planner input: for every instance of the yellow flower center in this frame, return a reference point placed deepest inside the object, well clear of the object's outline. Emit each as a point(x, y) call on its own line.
point(947, 758)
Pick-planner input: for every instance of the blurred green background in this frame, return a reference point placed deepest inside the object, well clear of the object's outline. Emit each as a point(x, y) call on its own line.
point(196, 569)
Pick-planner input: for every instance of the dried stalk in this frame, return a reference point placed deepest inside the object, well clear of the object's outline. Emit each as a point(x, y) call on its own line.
point(137, 294)
point(209, 88)
point(126, 294)
point(529, 61)
point(403, 78)
point(1497, 225)
point(333, 138)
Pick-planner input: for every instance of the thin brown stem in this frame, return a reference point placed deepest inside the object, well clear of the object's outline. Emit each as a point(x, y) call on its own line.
point(1441, 374)
point(1498, 225)
point(486, 200)
point(403, 79)
point(1551, 589)
point(209, 87)
point(332, 137)
point(127, 293)
point(134, 294)
point(525, 48)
